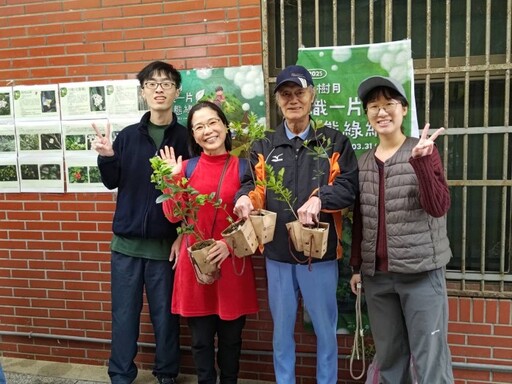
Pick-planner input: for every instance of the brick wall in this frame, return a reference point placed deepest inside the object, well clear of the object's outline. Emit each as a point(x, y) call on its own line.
point(54, 248)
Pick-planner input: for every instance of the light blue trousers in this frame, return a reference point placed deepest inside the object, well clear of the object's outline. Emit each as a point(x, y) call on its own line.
point(318, 290)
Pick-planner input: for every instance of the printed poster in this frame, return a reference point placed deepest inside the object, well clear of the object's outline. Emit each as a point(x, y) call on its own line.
point(337, 73)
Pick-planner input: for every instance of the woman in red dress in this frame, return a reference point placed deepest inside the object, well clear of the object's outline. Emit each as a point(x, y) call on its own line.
point(219, 308)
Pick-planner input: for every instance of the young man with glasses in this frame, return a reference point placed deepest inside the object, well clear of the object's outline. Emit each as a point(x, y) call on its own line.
point(143, 237)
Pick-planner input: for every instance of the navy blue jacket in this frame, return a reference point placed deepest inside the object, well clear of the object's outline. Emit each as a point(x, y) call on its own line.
point(137, 214)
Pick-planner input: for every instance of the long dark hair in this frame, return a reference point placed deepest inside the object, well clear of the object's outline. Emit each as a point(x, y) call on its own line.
point(195, 148)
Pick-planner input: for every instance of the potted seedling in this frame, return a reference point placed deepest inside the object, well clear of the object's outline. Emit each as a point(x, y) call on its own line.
point(186, 209)
point(275, 183)
point(245, 133)
point(315, 236)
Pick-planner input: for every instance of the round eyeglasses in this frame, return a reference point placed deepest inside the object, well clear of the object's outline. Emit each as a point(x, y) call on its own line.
point(373, 110)
point(211, 123)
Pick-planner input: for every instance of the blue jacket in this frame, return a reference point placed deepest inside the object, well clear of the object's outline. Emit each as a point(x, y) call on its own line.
point(137, 214)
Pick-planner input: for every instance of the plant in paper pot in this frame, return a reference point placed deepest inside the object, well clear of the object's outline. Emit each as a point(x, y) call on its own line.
point(312, 240)
point(245, 133)
point(315, 237)
point(186, 209)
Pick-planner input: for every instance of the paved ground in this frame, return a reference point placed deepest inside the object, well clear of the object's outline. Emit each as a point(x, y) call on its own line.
point(23, 371)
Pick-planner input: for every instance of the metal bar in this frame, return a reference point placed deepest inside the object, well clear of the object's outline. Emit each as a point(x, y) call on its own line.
point(479, 183)
point(283, 37)
point(317, 24)
point(299, 24)
point(266, 74)
point(335, 22)
point(353, 21)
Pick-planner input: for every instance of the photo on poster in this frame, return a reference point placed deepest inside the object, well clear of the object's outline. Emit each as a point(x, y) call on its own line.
point(9, 177)
point(36, 102)
point(7, 139)
point(6, 105)
point(37, 136)
point(38, 174)
point(83, 175)
point(124, 98)
point(78, 135)
point(86, 100)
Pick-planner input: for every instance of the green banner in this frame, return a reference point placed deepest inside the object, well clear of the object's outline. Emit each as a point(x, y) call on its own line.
point(337, 72)
point(237, 90)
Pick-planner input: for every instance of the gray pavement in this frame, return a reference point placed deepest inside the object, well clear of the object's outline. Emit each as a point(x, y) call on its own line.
point(24, 371)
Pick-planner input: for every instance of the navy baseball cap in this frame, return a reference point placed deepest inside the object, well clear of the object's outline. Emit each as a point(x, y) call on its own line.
point(296, 74)
point(372, 82)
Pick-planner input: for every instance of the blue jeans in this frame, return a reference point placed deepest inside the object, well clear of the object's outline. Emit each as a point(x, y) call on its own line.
point(318, 289)
point(2, 377)
point(129, 277)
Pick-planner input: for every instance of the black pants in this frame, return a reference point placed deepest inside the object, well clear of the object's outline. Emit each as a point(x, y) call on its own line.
point(229, 343)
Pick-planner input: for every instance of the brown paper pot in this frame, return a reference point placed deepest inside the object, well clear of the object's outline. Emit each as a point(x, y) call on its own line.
point(241, 237)
point(315, 240)
point(264, 223)
point(198, 252)
point(295, 232)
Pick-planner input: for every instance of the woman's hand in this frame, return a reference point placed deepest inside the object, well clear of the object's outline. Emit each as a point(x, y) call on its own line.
point(101, 143)
point(354, 281)
point(426, 144)
point(167, 154)
point(175, 251)
point(218, 253)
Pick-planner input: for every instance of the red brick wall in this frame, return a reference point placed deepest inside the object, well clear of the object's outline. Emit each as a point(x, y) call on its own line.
point(54, 248)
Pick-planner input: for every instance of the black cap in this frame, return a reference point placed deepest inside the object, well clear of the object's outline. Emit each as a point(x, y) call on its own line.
point(373, 82)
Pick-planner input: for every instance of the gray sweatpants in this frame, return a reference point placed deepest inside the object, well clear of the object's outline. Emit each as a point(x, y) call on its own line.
point(409, 318)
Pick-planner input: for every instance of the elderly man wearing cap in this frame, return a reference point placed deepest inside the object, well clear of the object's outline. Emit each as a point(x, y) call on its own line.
point(320, 196)
point(399, 242)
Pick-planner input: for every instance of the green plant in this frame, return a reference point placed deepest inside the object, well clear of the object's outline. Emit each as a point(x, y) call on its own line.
point(318, 151)
point(275, 183)
point(187, 199)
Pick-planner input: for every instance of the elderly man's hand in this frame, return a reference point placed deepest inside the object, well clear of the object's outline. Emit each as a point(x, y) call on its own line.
point(310, 211)
point(243, 207)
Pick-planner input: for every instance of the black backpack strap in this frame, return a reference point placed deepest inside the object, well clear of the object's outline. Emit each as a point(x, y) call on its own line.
point(243, 163)
point(191, 165)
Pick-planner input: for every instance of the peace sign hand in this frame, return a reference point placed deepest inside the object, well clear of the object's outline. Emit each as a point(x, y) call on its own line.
point(167, 154)
point(426, 144)
point(101, 143)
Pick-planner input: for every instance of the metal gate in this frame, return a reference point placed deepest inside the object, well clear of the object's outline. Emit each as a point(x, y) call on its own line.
point(462, 68)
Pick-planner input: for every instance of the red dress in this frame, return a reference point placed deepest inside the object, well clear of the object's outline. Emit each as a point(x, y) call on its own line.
point(231, 296)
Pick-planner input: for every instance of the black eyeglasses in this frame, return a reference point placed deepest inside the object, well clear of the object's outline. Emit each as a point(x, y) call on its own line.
point(166, 85)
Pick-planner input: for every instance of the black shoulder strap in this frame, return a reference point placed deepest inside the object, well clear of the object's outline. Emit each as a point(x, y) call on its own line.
point(191, 165)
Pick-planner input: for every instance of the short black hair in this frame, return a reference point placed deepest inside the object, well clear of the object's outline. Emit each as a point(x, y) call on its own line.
point(195, 148)
point(156, 67)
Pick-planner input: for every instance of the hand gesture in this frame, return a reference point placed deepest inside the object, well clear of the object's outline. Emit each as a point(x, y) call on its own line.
point(243, 207)
point(167, 154)
point(426, 144)
point(101, 143)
